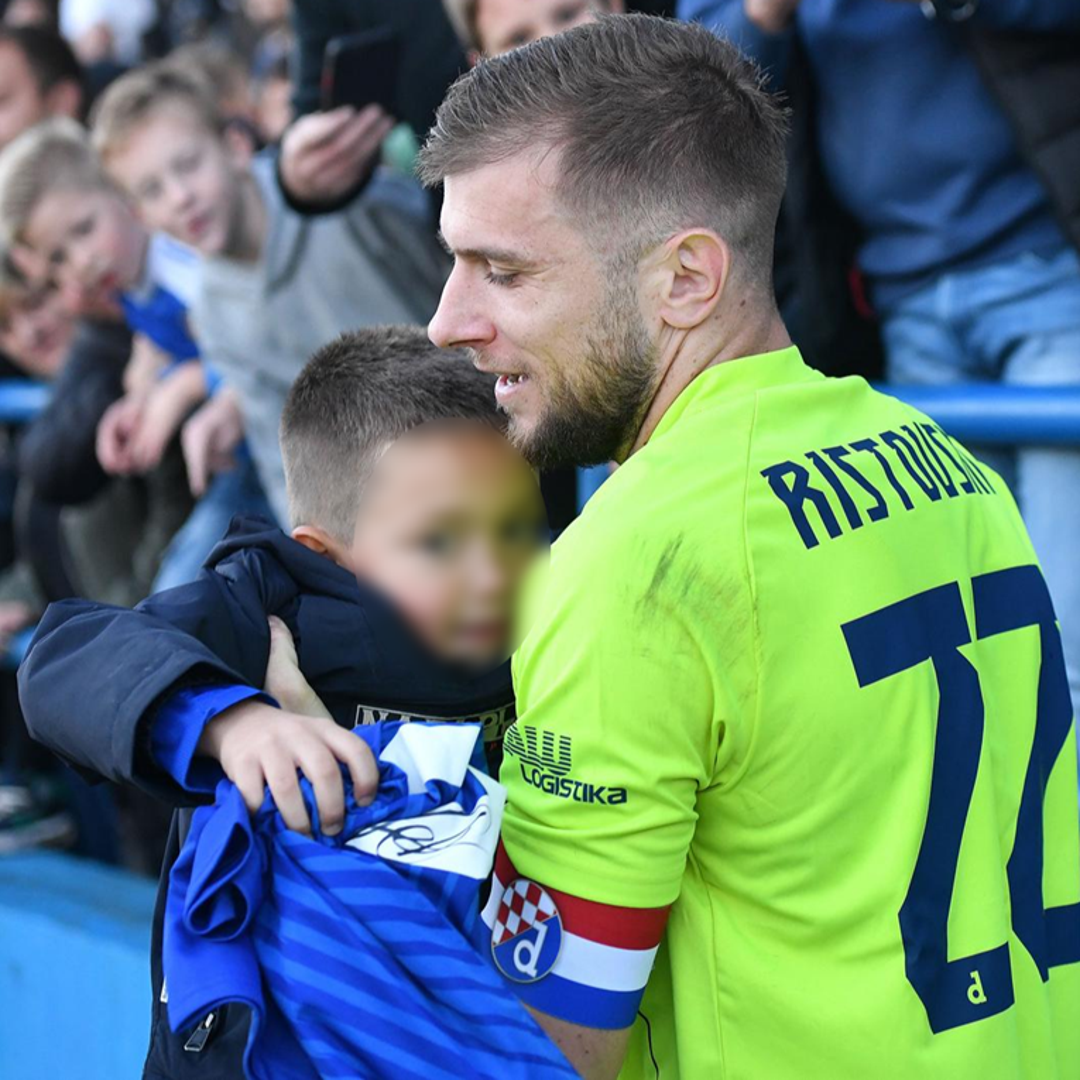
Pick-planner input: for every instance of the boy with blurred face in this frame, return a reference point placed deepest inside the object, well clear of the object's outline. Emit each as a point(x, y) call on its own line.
point(274, 285)
point(65, 220)
point(492, 27)
point(39, 78)
point(57, 204)
point(414, 521)
point(35, 327)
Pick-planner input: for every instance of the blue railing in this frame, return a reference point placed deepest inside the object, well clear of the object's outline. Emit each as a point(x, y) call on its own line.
point(21, 400)
point(1004, 415)
point(974, 413)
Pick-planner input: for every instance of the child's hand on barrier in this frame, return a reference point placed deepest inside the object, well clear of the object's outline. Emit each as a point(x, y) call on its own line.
point(210, 439)
point(259, 746)
point(116, 434)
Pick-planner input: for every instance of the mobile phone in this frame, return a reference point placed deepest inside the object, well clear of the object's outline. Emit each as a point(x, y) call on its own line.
point(362, 69)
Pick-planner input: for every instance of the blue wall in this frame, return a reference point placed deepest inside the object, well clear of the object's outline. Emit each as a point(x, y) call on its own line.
point(74, 969)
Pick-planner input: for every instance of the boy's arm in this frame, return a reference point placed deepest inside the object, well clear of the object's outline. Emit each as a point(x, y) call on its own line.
point(171, 705)
point(96, 675)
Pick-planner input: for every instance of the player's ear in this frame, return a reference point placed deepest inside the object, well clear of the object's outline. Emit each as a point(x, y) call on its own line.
point(692, 270)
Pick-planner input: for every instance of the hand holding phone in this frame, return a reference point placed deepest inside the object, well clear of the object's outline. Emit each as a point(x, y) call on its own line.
point(325, 155)
point(362, 69)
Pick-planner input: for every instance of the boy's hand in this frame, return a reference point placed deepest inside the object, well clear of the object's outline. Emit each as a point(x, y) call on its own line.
point(116, 433)
point(145, 365)
point(324, 155)
point(259, 746)
point(210, 438)
point(167, 406)
point(285, 682)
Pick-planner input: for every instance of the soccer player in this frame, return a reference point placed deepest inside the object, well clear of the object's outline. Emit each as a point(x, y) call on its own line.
point(792, 791)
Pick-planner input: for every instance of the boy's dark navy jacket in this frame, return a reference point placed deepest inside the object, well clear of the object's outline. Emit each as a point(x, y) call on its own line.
point(96, 675)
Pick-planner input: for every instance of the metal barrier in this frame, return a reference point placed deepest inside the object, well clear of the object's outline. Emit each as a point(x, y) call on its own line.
point(1000, 414)
point(986, 413)
point(21, 400)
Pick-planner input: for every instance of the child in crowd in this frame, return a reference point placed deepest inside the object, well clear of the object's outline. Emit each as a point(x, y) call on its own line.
point(39, 78)
point(35, 327)
point(275, 284)
point(56, 202)
point(414, 521)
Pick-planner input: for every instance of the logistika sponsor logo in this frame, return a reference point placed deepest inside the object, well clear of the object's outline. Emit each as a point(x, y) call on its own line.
point(546, 760)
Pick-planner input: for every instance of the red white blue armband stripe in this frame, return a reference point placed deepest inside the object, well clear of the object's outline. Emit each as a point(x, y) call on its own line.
point(575, 959)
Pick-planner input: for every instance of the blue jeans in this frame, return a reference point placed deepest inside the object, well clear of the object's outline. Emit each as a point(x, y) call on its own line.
point(1017, 322)
point(235, 492)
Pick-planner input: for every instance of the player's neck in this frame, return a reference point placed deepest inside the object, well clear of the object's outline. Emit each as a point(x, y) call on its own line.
point(693, 352)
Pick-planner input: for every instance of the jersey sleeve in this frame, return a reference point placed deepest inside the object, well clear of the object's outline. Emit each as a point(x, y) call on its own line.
point(619, 731)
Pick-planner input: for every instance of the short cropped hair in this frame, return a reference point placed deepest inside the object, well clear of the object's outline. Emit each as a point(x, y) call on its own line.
point(355, 397)
point(54, 155)
point(660, 126)
point(135, 97)
point(48, 55)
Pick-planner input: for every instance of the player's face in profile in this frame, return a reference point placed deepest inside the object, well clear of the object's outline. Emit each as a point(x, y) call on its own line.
point(559, 321)
point(502, 25)
point(451, 520)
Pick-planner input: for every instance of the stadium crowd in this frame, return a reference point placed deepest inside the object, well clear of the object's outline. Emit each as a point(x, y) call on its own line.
point(191, 207)
point(171, 336)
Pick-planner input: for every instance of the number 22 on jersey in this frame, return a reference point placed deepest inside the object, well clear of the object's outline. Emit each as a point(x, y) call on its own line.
point(931, 627)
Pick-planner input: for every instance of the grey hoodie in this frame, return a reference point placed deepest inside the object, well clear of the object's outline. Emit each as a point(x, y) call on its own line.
point(374, 262)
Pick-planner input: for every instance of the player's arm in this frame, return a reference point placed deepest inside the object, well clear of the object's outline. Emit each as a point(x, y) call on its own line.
point(617, 734)
point(595, 1053)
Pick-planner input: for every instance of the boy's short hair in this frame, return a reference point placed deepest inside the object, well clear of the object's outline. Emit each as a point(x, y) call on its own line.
point(53, 155)
point(48, 55)
point(356, 396)
point(133, 98)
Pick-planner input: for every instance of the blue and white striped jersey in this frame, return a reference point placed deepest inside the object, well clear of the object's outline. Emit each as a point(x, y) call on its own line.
point(353, 952)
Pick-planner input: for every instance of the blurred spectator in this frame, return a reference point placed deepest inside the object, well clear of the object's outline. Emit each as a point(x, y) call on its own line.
point(43, 13)
point(227, 79)
point(274, 285)
point(491, 27)
point(950, 132)
point(35, 328)
point(107, 30)
point(39, 77)
point(272, 90)
point(56, 201)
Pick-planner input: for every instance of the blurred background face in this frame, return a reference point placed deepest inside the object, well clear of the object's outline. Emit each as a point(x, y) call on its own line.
point(451, 520)
point(181, 178)
point(90, 243)
point(35, 330)
point(22, 104)
point(502, 25)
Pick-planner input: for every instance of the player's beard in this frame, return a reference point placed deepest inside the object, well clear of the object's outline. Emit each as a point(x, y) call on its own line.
point(590, 418)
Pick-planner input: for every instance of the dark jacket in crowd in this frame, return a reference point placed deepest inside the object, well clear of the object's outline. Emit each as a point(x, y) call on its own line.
point(96, 676)
point(1036, 81)
point(56, 453)
point(1003, 118)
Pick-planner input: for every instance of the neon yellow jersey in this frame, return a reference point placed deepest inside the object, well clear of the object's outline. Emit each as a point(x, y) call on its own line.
point(793, 702)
